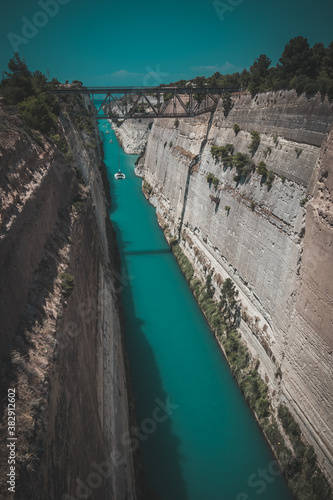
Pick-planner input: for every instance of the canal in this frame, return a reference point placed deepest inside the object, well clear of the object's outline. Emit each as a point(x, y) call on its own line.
point(199, 440)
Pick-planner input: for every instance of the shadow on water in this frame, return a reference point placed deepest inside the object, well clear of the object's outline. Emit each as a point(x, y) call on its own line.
point(159, 445)
point(147, 252)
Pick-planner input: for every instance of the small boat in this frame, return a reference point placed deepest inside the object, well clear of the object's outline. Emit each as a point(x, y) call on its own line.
point(107, 132)
point(119, 175)
point(111, 141)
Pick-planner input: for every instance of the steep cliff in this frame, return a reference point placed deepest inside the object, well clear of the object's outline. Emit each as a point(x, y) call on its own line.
point(61, 337)
point(133, 134)
point(274, 239)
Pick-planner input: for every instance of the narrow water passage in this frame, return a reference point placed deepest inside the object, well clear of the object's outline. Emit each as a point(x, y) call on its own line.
point(199, 440)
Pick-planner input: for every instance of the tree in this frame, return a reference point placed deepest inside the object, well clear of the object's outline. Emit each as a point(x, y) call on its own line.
point(317, 54)
point(37, 114)
point(18, 68)
point(18, 83)
point(270, 179)
point(255, 141)
point(181, 83)
point(226, 103)
point(327, 62)
point(244, 78)
point(199, 81)
point(228, 302)
point(236, 128)
point(296, 58)
point(258, 74)
point(39, 81)
point(261, 169)
point(243, 163)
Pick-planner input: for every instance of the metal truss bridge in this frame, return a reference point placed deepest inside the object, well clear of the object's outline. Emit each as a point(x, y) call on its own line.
point(120, 103)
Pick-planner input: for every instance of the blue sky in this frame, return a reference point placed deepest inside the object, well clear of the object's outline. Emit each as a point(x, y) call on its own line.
point(146, 42)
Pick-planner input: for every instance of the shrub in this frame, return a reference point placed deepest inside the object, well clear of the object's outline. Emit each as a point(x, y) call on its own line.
point(243, 163)
point(261, 169)
point(227, 208)
point(176, 123)
point(222, 153)
point(55, 138)
point(288, 422)
point(270, 179)
point(298, 151)
point(146, 187)
point(170, 144)
point(78, 205)
point(236, 178)
point(229, 148)
point(303, 201)
point(262, 407)
point(254, 144)
point(210, 177)
point(67, 283)
point(275, 139)
point(253, 205)
point(183, 261)
point(90, 145)
point(236, 128)
point(283, 178)
point(215, 181)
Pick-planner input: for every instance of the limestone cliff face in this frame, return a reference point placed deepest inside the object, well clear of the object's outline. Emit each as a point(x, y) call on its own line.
point(61, 337)
point(277, 250)
point(133, 134)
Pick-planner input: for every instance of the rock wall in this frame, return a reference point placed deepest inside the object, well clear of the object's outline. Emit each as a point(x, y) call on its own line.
point(133, 134)
point(274, 244)
point(61, 341)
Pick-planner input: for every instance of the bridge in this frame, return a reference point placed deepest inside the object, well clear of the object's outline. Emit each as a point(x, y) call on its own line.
point(120, 103)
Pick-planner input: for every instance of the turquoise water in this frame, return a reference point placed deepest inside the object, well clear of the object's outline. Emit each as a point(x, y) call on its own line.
point(206, 444)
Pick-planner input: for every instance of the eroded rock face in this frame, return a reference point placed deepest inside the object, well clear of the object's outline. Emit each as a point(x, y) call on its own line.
point(308, 355)
point(29, 208)
point(62, 347)
point(274, 245)
point(133, 134)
